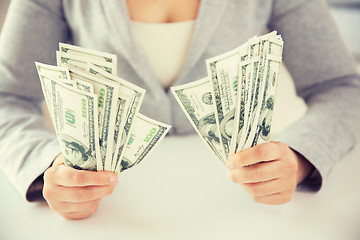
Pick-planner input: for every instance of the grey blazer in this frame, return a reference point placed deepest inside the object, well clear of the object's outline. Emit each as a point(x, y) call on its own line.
point(324, 72)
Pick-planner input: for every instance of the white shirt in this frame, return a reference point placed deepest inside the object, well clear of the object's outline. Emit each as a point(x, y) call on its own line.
point(165, 45)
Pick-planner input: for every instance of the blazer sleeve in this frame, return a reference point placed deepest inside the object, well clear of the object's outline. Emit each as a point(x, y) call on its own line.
point(32, 31)
point(326, 77)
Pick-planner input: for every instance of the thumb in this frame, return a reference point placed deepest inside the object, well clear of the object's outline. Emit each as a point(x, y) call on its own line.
point(59, 160)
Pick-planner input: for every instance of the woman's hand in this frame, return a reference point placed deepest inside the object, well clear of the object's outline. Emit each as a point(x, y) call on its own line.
point(269, 172)
point(75, 194)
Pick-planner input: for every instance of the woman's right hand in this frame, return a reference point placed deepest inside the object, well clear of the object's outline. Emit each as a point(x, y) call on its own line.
point(75, 194)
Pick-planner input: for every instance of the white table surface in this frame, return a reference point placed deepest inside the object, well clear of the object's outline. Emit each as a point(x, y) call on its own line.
point(181, 192)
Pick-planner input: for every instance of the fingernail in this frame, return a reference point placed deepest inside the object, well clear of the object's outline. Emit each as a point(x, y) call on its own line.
point(113, 179)
point(229, 164)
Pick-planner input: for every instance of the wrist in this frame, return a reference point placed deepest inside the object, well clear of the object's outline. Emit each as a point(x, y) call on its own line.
point(304, 167)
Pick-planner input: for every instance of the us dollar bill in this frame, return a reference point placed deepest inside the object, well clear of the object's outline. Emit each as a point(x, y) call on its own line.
point(253, 45)
point(46, 88)
point(242, 103)
point(61, 73)
point(197, 102)
point(109, 104)
point(55, 71)
point(249, 67)
point(75, 123)
point(92, 56)
point(276, 45)
point(262, 131)
point(224, 74)
point(47, 92)
point(257, 48)
point(107, 92)
point(255, 56)
point(254, 87)
point(260, 92)
point(83, 85)
point(130, 98)
point(63, 59)
point(144, 137)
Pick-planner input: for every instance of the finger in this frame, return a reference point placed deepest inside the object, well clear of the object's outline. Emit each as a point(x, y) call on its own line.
point(77, 215)
point(275, 199)
point(68, 207)
point(78, 194)
point(59, 160)
point(262, 189)
point(260, 172)
point(260, 153)
point(71, 207)
point(70, 177)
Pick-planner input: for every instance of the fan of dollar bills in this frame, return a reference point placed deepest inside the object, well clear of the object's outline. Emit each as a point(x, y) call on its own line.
point(95, 113)
point(231, 109)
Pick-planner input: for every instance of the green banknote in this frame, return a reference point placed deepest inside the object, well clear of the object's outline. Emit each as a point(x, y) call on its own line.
point(130, 98)
point(76, 124)
point(243, 84)
point(107, 92)
point(197, 102)
point(242, 104)
point(224, 75)
point(262, 131)
point(261, 85)
point(57, 72)
point(102, 59)
point(80, 62)
point(93, 111)
point(144, 137)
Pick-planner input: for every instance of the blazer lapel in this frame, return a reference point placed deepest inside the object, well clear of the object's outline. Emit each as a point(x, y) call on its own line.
point(118, 17)
point(208, 18)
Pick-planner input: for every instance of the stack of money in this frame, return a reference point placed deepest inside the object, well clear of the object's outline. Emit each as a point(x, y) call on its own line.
point(95, 113)
point(231, 109)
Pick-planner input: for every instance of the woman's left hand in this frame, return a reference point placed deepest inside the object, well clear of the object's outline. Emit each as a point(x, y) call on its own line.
point(269, 172)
